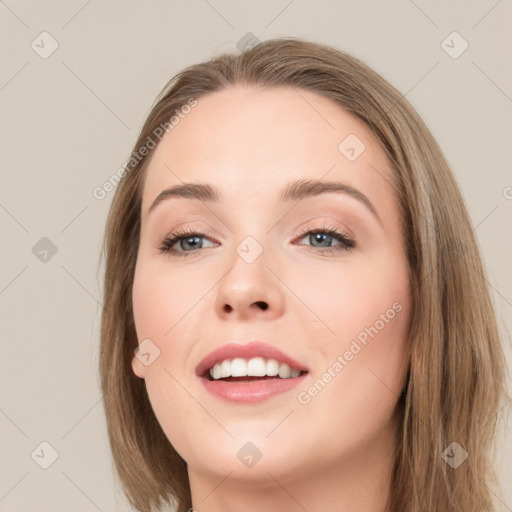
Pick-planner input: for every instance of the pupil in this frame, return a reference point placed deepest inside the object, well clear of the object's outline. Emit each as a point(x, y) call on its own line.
point(187, 240)
point(318, 237)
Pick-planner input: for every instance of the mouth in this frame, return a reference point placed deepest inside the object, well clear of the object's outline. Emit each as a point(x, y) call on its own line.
point(249, 373)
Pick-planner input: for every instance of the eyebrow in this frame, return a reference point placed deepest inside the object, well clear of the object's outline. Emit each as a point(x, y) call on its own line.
point(294, 191)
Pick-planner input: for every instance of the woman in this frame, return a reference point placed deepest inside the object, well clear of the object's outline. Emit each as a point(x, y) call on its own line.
point(295, 310)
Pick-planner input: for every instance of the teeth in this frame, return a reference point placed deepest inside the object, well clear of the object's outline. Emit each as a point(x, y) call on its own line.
point(254, 367)
point(284, 371)
point(257, 367)
point(225, 368)
point(272, 367)
point(238, 367)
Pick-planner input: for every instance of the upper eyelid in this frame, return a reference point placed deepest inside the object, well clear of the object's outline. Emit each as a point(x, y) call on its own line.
point(205, 232)
point(327, 222)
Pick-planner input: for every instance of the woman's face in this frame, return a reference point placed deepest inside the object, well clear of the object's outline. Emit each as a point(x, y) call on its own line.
point(249, 269)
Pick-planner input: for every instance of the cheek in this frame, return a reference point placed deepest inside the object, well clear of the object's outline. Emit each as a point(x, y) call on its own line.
point(160, 299)
point(364, 364)
point(166, 311)
point(348, 297)
point(364, 314)
point(158, 305)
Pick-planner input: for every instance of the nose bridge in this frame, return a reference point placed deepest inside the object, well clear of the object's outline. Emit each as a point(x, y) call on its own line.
point(249, 287)
point(250, 230)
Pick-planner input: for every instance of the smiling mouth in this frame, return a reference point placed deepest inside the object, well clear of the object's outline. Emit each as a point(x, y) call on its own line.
point(238, 381)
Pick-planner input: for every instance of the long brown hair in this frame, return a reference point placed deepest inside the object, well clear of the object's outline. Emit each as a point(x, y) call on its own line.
point(455, 381)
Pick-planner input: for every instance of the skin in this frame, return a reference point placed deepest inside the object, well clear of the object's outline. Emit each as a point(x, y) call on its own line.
point(335, 452)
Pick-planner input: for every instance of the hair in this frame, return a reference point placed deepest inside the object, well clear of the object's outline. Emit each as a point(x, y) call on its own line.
point(456, 372)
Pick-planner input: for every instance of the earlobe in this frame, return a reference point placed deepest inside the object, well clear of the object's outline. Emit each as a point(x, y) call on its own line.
point(137, 367)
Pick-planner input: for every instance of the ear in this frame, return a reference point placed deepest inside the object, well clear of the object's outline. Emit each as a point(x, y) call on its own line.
point(137, 367)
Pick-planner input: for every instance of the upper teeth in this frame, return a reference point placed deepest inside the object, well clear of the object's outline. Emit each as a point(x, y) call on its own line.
point(255, 367)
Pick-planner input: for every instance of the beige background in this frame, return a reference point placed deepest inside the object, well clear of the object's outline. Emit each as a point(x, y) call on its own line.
point(69, 122)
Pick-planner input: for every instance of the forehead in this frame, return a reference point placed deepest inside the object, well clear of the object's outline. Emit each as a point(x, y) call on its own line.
point(256, 140)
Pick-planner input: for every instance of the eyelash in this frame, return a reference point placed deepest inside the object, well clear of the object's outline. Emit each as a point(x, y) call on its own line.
point(347, 243)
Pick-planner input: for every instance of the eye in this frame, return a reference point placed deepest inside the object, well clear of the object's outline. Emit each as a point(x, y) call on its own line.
point(325, 236)
point(183, 242)
point(187, 240)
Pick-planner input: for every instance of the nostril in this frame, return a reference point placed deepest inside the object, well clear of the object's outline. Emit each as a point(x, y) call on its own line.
point(262, 305)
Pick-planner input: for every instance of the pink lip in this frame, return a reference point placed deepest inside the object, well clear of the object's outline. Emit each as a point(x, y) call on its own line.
point(252, 349)
point(253, 390)
point(250, 391)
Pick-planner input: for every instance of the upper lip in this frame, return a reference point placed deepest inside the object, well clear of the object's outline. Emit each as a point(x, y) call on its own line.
point(247, 351)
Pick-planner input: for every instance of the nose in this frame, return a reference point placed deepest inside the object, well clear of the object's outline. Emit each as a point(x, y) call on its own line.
point(250, 291)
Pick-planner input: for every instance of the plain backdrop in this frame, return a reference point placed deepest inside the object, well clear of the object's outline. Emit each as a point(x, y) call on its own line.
point(78, 79)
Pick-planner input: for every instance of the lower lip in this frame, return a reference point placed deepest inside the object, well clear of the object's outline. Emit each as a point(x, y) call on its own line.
point(251, 391)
